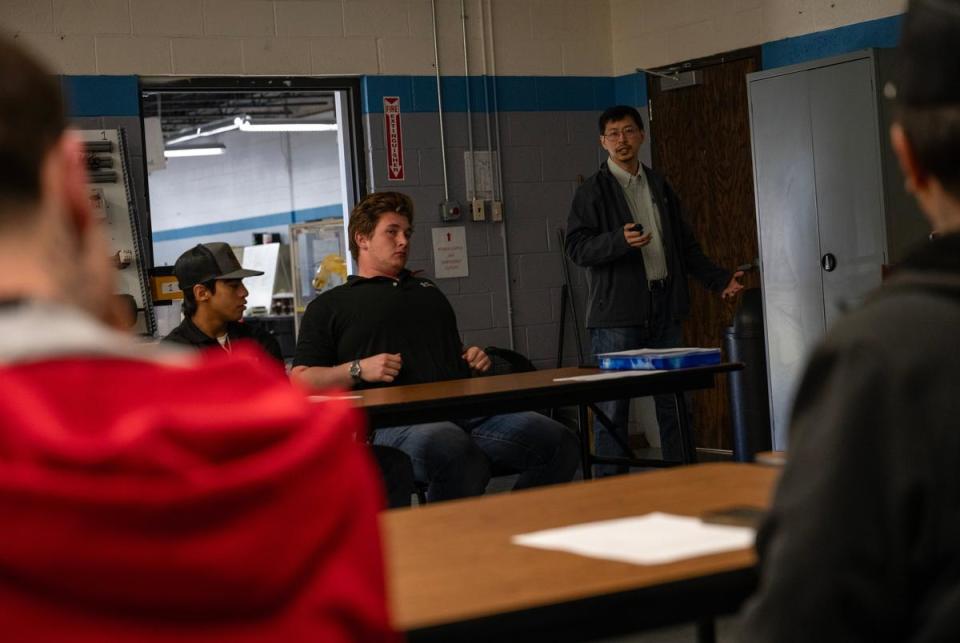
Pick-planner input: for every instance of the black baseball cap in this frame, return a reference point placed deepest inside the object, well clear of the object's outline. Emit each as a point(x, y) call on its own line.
point(927, 69)
point(207, 262)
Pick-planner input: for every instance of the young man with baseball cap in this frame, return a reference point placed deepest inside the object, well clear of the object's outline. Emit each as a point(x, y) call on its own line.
point(213, 302)
point(214, 299)
point(149, 494)
point(863, 540)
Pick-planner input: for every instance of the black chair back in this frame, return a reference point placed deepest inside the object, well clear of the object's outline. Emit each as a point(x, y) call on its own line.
point(505, 361)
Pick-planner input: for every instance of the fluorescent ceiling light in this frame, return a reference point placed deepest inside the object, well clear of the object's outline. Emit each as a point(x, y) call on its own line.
point(207, 130)
point(196, 150)
point(246, 125)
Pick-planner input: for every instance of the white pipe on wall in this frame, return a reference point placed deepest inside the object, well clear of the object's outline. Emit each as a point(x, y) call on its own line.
point(498, 174)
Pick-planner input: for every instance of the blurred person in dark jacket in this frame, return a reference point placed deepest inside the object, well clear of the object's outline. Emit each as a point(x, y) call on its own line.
point(863, 540)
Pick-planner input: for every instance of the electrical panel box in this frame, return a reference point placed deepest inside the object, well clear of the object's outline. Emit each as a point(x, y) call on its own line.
point(478, 210)
point(479, 169)
point(496, 211)
point(449, 210)
point(112, 199)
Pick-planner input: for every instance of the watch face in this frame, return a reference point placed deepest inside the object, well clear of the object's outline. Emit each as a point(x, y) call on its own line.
point(355, 369)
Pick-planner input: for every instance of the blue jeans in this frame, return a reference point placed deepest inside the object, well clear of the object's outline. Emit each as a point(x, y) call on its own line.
point(662, 332)
point(457, 459)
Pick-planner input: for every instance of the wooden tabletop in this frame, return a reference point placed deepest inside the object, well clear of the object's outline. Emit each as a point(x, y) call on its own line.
point(453, 562)
point(414, 403)
point(771, 458)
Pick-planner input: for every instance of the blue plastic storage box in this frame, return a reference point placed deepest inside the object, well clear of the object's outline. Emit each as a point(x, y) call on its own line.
point(654, 359)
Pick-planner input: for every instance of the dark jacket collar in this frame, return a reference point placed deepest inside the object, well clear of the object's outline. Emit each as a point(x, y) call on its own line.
point(935, 266)
point(192, 333)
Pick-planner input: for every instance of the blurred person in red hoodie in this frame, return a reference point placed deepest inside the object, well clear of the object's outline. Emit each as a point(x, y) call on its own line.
point(151, 494)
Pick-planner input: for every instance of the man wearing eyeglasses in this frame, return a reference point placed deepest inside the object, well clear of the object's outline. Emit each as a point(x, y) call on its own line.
point(625, 227)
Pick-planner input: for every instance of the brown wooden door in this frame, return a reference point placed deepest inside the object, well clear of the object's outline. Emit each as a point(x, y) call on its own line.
point(700, 139)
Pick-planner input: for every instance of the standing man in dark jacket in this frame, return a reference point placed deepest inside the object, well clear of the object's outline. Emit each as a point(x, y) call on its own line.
point(626, 228)
point(863, 540)
point(214, 299)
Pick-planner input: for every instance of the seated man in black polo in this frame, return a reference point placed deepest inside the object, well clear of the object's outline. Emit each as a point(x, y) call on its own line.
point(386, 326)
point(214, 299)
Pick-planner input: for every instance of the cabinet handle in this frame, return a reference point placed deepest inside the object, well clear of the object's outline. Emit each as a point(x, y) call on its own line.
point(829, 262)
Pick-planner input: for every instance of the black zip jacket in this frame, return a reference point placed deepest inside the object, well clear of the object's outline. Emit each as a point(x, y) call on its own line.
point(188, 334)
point(862, 543)
point(618, 292)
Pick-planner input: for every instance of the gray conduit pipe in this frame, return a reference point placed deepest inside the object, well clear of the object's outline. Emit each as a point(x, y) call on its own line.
point(466, 80)
point(443, 145)
point(499, 175)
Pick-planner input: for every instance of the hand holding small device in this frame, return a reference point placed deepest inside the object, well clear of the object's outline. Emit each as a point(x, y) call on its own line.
point(633, 233)
point(738, 516)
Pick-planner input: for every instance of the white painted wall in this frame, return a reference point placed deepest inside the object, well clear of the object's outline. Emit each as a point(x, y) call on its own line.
point(260, 174)
point(280, 37)
point(649, 33)
point(530, 37)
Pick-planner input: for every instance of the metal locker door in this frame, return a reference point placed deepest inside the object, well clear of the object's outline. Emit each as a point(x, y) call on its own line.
point(846, 150)
point(787, 224)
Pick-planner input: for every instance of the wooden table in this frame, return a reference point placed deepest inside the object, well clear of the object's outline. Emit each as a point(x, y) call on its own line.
point(479, 396)
point(454, 575)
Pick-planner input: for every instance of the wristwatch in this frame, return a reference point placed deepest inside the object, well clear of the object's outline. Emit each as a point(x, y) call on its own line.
point(355, 371)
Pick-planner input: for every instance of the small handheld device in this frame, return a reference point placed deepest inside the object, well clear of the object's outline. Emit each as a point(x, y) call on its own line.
point(636, 227)
point(739, 516)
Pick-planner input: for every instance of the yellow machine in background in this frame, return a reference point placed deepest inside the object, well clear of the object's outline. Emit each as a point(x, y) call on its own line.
point(319, 259)
point(331, 272)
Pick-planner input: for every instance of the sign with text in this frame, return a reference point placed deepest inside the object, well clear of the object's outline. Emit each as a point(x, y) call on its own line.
point(450, 252)
point(394, 134)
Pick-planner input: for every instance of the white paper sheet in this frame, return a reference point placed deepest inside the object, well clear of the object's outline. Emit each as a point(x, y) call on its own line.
point(609, 375)
point(652, 539)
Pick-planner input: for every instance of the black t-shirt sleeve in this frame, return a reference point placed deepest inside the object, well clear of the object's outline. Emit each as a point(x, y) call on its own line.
point(316, 345)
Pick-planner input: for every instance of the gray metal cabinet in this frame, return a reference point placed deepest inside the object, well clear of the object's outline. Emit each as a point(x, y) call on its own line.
point(825, 214)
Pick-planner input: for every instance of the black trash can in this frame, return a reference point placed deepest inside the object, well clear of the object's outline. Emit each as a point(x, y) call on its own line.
point(749, 402)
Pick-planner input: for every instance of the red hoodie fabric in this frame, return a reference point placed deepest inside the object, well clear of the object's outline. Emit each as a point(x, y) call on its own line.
point(142, 501)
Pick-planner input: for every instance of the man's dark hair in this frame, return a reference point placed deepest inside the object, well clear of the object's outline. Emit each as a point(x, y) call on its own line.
point(366, 214)
point(190, 302)
point(618, 113)
point(934, 135)
point(32, 120)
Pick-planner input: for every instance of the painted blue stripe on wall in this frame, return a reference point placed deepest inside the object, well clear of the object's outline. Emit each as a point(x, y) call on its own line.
point(119, 95)
point(513, 93)
point(630, 89)
point(585, 93)
point(320, 212)
point(250, 223)
point(884, 32)
point(101, 95)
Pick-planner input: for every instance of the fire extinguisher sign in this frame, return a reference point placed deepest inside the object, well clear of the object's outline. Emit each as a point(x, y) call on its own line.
point(391, 117)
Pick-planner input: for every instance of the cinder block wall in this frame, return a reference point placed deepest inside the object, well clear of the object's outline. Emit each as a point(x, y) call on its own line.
point(293, 37)
point(543, 154)
point(589, 47)
point(650, 33)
